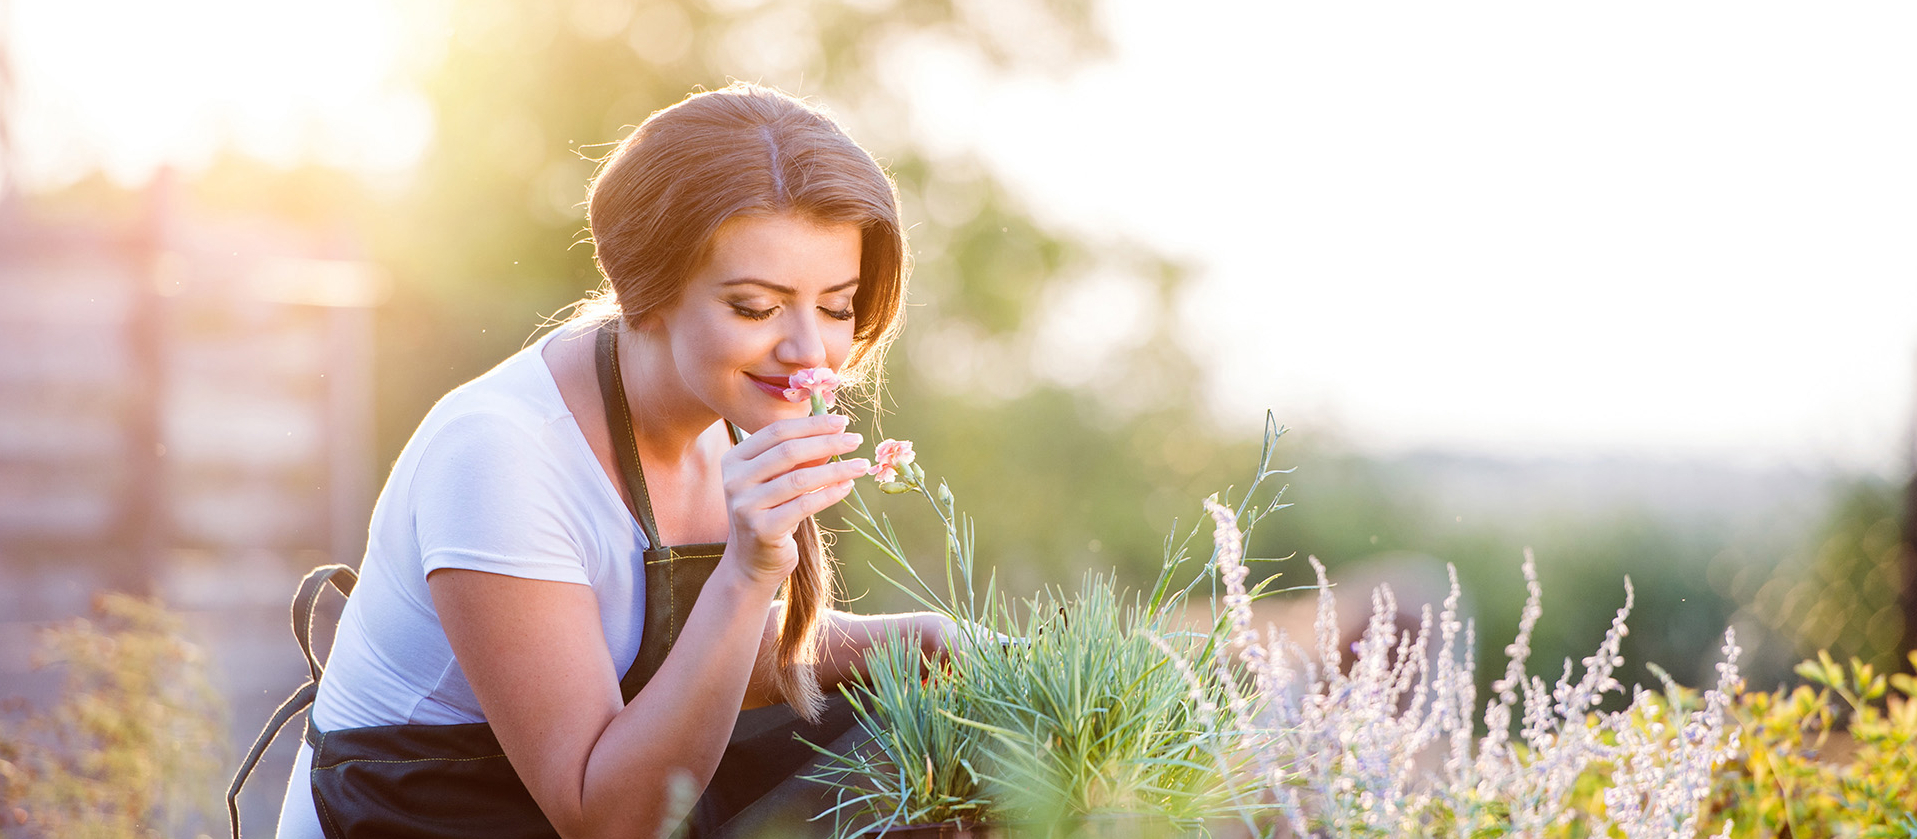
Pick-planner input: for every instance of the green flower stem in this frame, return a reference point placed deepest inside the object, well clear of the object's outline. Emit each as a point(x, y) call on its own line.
point(818, 410)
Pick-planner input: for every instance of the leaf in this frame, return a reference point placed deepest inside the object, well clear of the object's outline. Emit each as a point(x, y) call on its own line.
point(1812, 672)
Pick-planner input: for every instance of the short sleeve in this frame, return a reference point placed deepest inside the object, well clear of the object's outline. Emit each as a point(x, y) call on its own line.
point(488, 495)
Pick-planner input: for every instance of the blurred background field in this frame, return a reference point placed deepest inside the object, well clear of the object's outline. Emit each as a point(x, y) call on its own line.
point(1629, 286)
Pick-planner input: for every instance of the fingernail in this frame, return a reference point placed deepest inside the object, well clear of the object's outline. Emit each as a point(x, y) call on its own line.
point(840, 420)
point(859, 462)
point(852, 439)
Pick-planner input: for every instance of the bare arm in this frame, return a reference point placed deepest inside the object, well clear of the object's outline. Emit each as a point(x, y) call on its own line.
point(844, 639)
point(535, 654)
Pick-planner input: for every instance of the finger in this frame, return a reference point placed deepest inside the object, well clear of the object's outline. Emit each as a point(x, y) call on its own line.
point(788, 456)
point(786, 517)
point(797, 482)
point(780, 431)
point(774, 526)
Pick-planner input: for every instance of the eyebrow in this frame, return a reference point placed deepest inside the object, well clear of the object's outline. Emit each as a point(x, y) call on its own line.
point(772, 286)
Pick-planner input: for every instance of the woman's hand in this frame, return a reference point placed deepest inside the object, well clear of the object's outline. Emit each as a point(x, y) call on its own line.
point(778, 477)
point(941, 637)
point(938, 635)
point(848, 637)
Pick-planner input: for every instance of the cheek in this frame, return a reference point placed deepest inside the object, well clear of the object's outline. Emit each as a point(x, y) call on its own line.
point(705, 355)
point(839, 343)
point(718, 343)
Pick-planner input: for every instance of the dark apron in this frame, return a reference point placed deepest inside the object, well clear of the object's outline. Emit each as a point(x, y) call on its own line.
point(455, 781)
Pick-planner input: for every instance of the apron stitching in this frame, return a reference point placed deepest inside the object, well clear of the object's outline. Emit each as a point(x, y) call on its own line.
point(325, 811)
point(413, 760)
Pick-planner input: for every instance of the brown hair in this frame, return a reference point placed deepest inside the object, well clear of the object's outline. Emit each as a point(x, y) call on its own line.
point(745, 150)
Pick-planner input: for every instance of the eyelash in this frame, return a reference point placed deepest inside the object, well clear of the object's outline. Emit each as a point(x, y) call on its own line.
point(761, 314)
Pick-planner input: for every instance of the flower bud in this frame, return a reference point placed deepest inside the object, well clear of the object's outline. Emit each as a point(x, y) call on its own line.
point(894, 487)
point(944, 496)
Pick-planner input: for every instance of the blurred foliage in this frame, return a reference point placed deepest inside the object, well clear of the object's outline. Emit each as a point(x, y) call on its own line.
point(136, 745)
point(1841, 593)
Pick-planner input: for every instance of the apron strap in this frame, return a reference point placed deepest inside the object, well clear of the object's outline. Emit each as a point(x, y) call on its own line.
point(341, 577)
point(625, 447)
point(612, 389)
point(294, 704)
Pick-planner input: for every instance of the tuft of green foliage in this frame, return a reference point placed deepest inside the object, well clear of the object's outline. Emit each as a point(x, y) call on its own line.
point(135, 746)
point(1086, 720)
point(1814, 767)
point(1072, 710)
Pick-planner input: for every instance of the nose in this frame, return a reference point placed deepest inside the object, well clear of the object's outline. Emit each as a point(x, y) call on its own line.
point(802, 344)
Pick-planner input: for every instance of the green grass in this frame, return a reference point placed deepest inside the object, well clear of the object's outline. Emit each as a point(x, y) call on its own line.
point(1068, 707)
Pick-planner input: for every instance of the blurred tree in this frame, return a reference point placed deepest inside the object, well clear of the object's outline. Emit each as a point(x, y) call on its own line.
point(1061, 470)
point(1842, 595)
point(1353, 509)
point(1907, 560)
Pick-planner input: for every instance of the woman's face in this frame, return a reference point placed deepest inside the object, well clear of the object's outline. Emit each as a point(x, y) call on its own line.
point(774, 298)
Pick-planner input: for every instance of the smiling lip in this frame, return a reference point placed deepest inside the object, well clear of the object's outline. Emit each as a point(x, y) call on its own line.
point(774, 387)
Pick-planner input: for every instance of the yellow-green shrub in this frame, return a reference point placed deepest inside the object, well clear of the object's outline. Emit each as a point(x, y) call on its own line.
point(1813, 765)
point(135, 746)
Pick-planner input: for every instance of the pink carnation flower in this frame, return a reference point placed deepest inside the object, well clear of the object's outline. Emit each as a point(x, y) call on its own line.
point(888, 458)
point(813, 381)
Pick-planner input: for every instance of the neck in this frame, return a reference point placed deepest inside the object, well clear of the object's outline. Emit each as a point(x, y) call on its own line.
point(668, 422)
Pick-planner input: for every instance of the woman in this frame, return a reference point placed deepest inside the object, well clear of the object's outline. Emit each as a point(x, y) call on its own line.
point(550, 521)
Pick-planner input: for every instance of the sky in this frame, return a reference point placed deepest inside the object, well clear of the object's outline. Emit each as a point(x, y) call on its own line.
point(1668, 229)
point(282, 81)
point(1651, 228)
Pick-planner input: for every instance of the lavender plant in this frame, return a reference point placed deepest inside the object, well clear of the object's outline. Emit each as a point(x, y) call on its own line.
point(1389, 746)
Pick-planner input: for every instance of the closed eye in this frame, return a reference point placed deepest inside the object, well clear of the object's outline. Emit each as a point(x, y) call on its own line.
point(750, 313)
point(838, 314)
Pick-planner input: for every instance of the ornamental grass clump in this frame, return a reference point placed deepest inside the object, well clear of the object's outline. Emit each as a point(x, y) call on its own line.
point(1388, 746)
point(1071, 710)
point(1086, 721)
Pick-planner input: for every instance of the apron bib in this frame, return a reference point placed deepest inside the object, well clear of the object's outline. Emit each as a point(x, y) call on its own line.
point(455, 780)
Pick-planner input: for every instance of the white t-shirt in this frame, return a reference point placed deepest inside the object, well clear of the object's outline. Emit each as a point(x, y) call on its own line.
point(498, 478)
